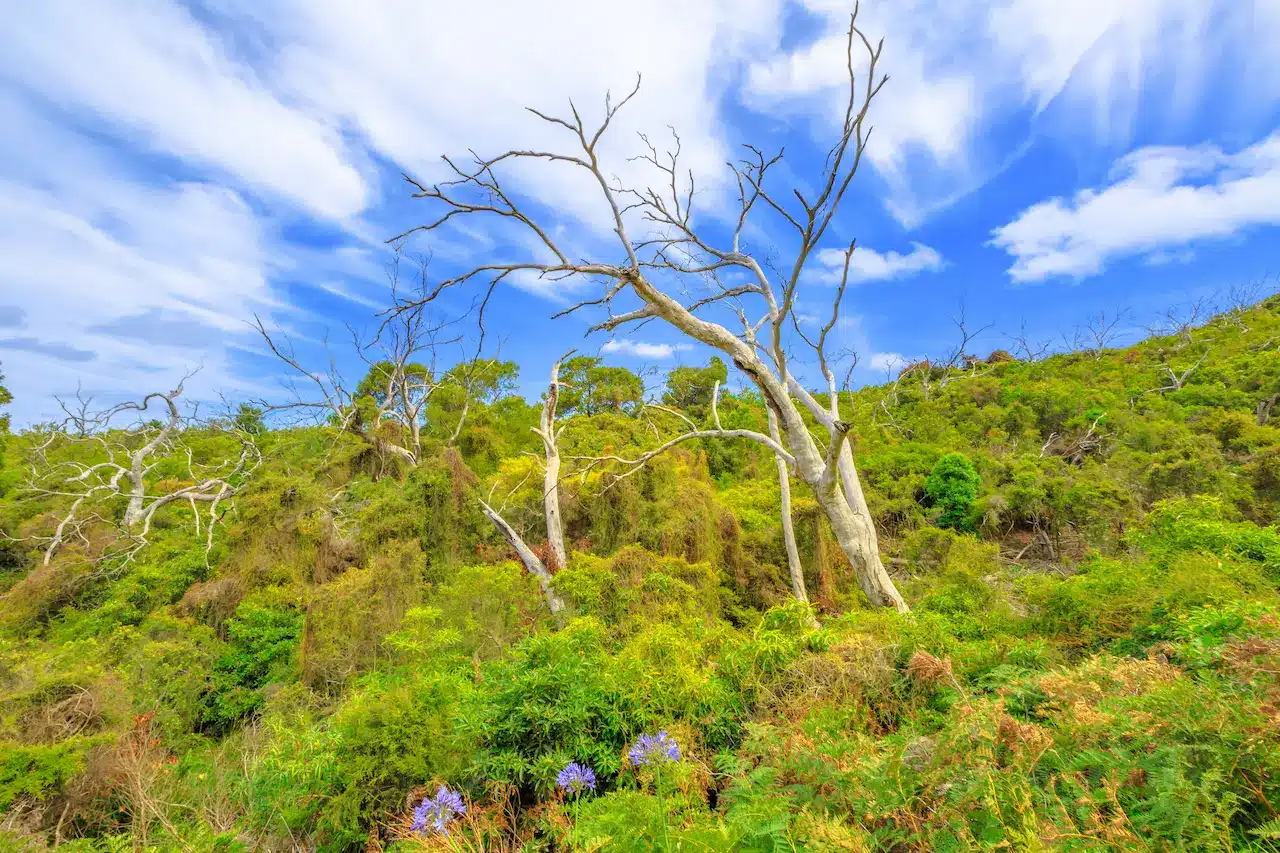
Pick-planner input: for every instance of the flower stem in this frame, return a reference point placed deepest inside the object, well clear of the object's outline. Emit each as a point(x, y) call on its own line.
point(662, 805)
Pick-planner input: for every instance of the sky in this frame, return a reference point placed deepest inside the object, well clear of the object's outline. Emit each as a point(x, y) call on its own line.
point(170, 170)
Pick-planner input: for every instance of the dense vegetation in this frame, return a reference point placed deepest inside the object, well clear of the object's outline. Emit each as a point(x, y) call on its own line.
point(1092, 660)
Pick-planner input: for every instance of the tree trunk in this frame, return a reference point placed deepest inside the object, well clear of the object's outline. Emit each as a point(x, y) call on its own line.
point(794, 566)
point(853, 527)
point(530, 560)
point(857, 537)
point(848, 514)
point(557, 556)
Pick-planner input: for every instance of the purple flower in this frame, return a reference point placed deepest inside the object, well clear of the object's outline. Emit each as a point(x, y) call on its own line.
point(654, 749)
point(435, 812)
point(576, 778)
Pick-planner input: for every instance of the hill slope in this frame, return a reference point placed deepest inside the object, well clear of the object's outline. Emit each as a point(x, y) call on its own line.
point(1092, 660)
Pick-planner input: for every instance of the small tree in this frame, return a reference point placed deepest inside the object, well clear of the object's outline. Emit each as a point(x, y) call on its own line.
point(557, 556)
point(952, 487)
point(689, 388)
point(589, 387)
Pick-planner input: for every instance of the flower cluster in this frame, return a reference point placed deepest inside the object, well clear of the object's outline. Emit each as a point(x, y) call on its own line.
point(436, 812)
point(654, 749)
point(576, 778)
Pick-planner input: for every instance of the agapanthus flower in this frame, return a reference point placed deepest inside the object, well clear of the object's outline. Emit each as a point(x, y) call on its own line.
point(434, 813)
point(576, 778)
point(654, 749)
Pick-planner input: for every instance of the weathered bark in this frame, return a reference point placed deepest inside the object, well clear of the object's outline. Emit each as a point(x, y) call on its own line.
point(556, 554)
point(794, 566)
point(530, 560)
point(863, 542)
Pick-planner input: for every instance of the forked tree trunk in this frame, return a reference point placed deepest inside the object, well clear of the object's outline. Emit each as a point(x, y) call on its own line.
point(530, 560)
point(848, 514)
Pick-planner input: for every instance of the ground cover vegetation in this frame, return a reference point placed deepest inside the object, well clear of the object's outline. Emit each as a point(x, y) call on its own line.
point(356, 658)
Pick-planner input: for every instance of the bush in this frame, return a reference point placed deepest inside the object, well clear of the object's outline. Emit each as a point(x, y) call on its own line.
point(952, 488)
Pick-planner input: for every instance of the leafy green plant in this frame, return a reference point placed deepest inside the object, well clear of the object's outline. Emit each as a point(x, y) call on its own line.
point(952, 488)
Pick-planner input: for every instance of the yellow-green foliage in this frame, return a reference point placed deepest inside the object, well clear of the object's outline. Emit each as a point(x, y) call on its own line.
point(1092, 660)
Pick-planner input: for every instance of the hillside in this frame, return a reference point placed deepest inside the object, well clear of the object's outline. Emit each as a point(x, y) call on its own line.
point(1087, 543)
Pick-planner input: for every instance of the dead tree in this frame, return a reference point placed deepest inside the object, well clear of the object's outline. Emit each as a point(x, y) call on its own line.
point(1180, 322)
point(1239, 300)
point(386, 410)
point(1262, 412)
point(959, 362)
point(557, 556)
point(1075, 451)
point(550, 436)
point(676, 248)
point(795, 568)
point(1175, 379)
point(1027, 349)
point(1097, 335)
point(532, 563)
point(122, 473)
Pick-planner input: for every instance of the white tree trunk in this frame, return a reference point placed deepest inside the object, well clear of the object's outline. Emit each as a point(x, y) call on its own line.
point(857, 537)
point(527, 557)
point(794, 566)
point(848, 514)
point(853, 526)
point(557, 556)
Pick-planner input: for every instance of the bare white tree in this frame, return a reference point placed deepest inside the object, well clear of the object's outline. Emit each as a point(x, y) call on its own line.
point(1180, 321)
point(795, 568)
point(1097, 335)
point(677, 248)
point(1175, 379)
point(125, 459)
point(557, 556)
point(546, 430)
point(1237, 301)
point(387, 409)
point(1027, 348)
point(528, 557)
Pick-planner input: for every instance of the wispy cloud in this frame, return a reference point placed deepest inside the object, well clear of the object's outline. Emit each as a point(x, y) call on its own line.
point(642, 349)
point(870, 265)
point(155, 75)
point(62, 352)
point(1158, 201)
point(958, 70)
point(883, 362)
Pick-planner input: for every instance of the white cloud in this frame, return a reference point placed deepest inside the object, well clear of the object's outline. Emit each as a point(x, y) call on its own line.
point(960, 67)
point(118, 285)
point(641, 349)
point(870, 265)
point(883, 362)
point(415, 80)
point(1158, 201)
point(151, 71)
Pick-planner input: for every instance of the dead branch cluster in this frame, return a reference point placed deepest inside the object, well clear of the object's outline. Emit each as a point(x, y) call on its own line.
point(675, 271)
point(114, 483)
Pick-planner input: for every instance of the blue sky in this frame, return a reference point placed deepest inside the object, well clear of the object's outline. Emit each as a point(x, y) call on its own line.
point(169, 169)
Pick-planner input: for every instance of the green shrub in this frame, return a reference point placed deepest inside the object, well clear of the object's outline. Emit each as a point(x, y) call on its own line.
point(952, 488)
